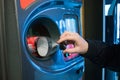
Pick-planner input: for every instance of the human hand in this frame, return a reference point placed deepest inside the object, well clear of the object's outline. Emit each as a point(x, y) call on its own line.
point(81, 45)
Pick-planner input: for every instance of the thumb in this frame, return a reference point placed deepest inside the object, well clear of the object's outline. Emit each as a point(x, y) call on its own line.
point(71, 50)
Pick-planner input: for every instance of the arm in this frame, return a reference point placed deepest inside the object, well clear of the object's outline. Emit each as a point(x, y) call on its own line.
point(104, 54)
point(98, 52)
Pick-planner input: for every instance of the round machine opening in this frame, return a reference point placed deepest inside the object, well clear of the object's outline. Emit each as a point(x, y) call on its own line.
point(41, 36)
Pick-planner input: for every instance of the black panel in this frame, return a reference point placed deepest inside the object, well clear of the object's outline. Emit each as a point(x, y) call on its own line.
point(93, 30)
point(110, 29)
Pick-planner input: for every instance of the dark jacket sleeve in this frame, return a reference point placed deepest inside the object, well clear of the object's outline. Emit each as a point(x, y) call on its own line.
point(104, 54)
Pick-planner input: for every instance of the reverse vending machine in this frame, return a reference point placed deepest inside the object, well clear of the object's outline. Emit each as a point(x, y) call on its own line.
point(41, 22)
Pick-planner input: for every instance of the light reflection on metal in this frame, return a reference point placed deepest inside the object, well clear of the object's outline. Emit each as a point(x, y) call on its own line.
point(71, 24)
point(118, 23)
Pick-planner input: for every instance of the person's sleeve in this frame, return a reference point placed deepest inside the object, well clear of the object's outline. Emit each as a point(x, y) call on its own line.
point(104, 54)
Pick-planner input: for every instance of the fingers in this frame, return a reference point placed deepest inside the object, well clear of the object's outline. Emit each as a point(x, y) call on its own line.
point(66, 33)
point(71, 50)
point(80, 45)
point(66, 36)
